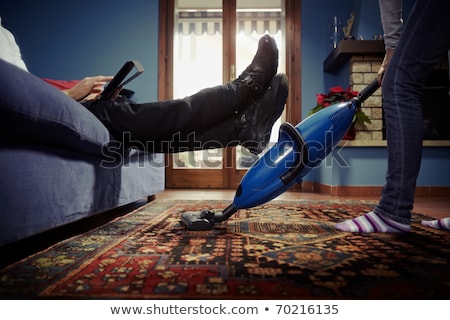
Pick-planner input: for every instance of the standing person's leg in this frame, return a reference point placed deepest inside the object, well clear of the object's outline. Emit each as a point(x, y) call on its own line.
point(158, 123)
point(424, 43)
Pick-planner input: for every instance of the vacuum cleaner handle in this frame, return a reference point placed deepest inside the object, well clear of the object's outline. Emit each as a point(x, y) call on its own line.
point(301, 159)
point(368, 91)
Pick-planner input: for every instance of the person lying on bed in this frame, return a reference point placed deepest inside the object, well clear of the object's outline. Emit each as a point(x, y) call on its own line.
point(239, 112)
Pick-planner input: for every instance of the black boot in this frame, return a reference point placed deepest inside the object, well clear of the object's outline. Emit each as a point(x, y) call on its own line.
point(255, 79)
point(256, 122)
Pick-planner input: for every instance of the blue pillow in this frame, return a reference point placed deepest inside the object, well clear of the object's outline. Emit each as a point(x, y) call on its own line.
point(33, 111)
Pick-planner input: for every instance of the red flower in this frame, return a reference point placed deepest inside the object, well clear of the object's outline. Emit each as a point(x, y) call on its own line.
point(320, 98)
point(336, 95)
point(337, 89)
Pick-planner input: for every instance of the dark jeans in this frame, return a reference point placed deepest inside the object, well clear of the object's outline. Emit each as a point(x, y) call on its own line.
point(424, 43)
point(173, 125)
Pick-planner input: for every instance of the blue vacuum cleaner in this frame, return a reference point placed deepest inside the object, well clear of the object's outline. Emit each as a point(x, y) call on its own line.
point(299, 149)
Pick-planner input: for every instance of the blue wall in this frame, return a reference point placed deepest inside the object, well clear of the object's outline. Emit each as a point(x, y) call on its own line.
point(71, 40)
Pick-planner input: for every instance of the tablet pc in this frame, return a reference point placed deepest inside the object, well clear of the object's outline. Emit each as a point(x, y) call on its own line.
point(116, 84)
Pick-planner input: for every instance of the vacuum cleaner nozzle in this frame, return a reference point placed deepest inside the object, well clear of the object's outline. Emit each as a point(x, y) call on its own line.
point(206, 219)
point(198, 221)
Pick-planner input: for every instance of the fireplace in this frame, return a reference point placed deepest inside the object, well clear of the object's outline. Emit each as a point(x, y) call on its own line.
point(365, 57)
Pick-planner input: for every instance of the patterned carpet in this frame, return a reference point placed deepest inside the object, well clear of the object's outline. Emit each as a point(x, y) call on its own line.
point(281, 250)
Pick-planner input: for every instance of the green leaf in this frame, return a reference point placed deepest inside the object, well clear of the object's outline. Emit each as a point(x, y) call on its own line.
point(361, 117)
point(315, 109)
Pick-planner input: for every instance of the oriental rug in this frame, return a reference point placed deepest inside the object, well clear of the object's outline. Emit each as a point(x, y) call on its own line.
point(280, 250)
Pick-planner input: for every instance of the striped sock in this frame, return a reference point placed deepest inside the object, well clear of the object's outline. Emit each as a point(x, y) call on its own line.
point(372, 222)
point(443, 223)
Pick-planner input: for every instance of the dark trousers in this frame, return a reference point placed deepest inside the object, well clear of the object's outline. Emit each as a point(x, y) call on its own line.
point(424, 43)
point(203, 120)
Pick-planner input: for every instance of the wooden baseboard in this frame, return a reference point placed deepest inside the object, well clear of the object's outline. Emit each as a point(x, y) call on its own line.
point(369, 191)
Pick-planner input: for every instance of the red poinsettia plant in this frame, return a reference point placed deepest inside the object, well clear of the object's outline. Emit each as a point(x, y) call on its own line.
point(337, 95)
